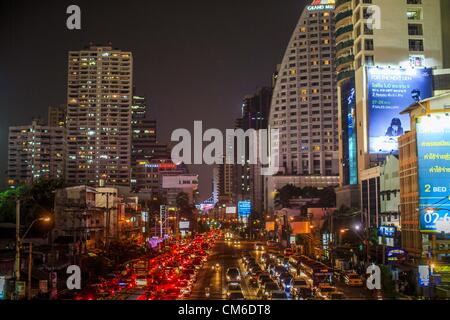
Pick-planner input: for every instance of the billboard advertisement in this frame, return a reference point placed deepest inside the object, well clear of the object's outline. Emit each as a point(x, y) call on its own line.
point(350, 154)
point(244, 208)
point(184, 225)
point(391, 90)
point(300, 227)
point(433, 153)
point(2, 287)
point(230, 210)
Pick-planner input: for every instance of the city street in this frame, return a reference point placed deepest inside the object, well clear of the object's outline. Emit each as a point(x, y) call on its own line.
point(227, 256)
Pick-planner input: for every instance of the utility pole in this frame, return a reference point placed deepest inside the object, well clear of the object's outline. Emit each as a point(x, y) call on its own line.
point(108, 221)
point(17, 264)
point(30, 265)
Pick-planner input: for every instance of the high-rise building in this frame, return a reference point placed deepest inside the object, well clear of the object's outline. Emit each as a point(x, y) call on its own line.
point(224, 174)
point(304, 102)
point(35, 151)
point(249, 183)
point(375, 39)
point(148, 156)
point(99, 97)
point(57, 116)
point(144, 142)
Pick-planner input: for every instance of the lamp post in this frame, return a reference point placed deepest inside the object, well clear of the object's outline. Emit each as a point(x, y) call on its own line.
point(19, 241)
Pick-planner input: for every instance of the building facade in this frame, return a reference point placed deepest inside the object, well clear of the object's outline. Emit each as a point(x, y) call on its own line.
point(99, 97)
point(393, 37)
point(249, 182)
point(424, 192)
point(304, 102)
point(147, 155)
point(57, 116)
point(35, 151)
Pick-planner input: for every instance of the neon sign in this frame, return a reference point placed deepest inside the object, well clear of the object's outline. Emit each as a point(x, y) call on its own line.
point(321, 5)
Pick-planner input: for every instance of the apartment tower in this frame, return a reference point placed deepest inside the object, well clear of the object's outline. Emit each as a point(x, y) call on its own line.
point(99, 97)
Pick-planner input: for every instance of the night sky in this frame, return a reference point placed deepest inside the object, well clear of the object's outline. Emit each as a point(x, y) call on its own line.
point(193, 59)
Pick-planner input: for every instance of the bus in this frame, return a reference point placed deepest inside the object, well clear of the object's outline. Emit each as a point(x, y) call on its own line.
point(316, 271)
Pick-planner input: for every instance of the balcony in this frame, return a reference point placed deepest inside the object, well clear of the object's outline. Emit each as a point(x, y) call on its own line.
point(343, 30)
point(345, 44)
point(345, 59)
point(342, 15)
point(345, 75)
point(341, 2)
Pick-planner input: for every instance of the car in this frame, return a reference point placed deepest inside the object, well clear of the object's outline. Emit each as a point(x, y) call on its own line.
point(259, 246)
point(271, 268)
point(233, 275)
point(297, 284)
point(254, 269)
point(304, 294)
point(336, 296)
point(233, 288)
point(253, 283)
point(216, 267)
point(288, 252)
point(263, 279)
point(353, 280)
point(270, 287)
point(278, 270)
point(249, 262)
point(141, 281)
point(285, 281)
point(271, 244)
point(324, 291)
point(277, 295)
point(236, 296)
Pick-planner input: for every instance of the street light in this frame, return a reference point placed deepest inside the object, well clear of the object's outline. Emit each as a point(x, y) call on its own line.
point(19, 241)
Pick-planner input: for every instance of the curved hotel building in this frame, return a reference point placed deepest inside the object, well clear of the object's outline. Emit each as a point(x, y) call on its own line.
point(304, 103)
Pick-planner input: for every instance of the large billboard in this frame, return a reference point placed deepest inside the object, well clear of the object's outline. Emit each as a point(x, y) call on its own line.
point(350, 153)
point(391, 90)
point(433, 153)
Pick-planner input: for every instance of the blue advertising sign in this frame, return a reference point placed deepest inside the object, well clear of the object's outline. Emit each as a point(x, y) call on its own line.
point(424, 276)
point(244, 208)
point(2, 287)
point(350, 153)
point(396, 255)
point(391, 90)
point(433, 152)
point(387, 231)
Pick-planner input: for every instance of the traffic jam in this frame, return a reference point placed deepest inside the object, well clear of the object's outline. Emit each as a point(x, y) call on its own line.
point(168, 276)
point(275, 274)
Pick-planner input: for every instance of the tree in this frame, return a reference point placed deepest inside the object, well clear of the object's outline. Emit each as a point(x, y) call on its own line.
point(36, 199)
point(285, 194)
point(184, 206)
